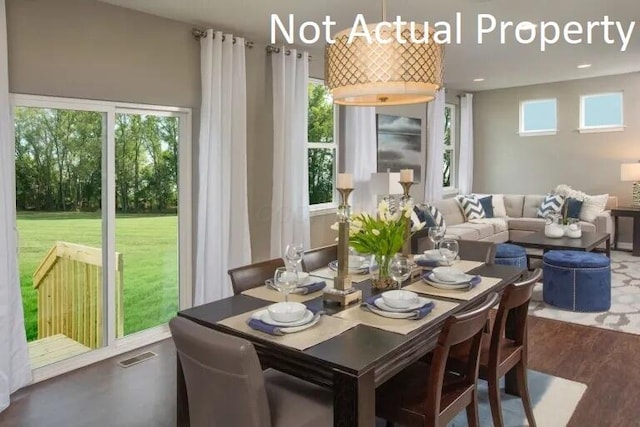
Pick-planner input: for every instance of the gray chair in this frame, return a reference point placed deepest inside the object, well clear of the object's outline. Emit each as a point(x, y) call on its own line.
point(226, 385)
point(315, 259)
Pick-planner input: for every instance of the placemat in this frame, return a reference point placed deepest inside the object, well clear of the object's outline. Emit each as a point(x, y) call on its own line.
point(268, 294)
point(327, 273)
point(465, 265)
point(424, 288)
point(327, 328)
point(399, 326)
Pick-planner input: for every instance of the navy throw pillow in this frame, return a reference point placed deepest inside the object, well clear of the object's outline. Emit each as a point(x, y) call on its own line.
point(424, 215)
point(487, 205)
point(573, 207)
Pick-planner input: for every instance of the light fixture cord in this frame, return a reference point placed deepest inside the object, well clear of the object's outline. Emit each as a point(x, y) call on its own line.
point(384, 10)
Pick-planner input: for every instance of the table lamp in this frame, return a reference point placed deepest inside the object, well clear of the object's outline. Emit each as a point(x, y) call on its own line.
point(631, 172)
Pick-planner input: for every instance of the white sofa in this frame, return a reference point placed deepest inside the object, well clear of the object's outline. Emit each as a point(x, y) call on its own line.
point(521, 220)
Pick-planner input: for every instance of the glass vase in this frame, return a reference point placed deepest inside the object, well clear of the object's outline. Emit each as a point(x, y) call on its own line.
point(381, 280)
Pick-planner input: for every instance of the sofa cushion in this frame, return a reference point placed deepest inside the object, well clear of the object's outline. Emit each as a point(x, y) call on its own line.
point(587, 226)
point(513, 204)
point(450, 209)
point(531, 204)
point(551, 205)
point(526, 224)
point(461, 233)
point(482, 230)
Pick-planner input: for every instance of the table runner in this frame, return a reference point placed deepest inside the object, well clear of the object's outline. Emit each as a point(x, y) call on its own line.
point(268, 294)
point(327, 328)
point(426, 289)
point(399, 326)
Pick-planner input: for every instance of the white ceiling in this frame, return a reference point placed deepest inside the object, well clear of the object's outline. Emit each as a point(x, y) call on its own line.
point(506, 65)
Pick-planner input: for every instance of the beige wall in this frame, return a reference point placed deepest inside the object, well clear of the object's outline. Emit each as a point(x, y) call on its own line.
point(507, 163)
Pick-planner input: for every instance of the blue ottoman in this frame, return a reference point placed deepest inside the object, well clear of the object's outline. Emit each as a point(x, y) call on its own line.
point(510, 254)
point(577, 281)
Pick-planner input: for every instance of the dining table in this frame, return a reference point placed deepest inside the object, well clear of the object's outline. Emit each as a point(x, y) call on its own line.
point(355, 362)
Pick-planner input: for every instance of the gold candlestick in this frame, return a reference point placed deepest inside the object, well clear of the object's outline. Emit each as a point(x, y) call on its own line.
point(343, 291)
point(406, 247)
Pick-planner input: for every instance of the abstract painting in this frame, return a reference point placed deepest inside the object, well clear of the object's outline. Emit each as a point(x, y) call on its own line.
point(399, 144)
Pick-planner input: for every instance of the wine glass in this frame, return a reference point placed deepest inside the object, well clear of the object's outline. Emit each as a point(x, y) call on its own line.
point(400, 269)
point(293, 254)
point(285, 281)
point(449, 250)
point(436, 234)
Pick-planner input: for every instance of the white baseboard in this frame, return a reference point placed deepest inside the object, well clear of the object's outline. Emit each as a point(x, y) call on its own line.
point(625, 245)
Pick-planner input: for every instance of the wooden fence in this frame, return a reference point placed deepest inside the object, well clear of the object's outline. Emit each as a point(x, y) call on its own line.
point(71, 294)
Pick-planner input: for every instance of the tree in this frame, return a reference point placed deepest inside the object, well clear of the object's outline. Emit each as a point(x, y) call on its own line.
point(320, 130)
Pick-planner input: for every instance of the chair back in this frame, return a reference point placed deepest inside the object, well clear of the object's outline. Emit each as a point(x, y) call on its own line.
point(319, 257)
point(225, 385)
point(459, 328)
point(515, 298)
point(253, 275)
point(474, 250)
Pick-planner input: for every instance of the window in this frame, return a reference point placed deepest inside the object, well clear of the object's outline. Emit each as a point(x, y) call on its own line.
point(538, 117)
point(449, 170)
point(601, 112)
point(322, 148)
point(100, 184)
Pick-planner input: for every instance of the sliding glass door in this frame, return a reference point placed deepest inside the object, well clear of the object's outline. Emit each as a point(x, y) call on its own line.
point(100, 211)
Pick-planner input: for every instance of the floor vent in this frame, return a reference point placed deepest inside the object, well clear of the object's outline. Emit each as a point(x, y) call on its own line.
point(137, 359)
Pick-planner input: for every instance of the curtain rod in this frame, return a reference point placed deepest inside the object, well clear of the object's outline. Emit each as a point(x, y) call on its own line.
point(198, 34)
point(275, 49)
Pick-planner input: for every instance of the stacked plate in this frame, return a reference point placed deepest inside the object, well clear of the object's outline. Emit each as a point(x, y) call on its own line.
point(289, 317)
point(398, 304)
point(449, 278)
point(357, 265)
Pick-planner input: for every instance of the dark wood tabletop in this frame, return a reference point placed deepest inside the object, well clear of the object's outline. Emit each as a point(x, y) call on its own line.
point(353, 363)
point(588, 242)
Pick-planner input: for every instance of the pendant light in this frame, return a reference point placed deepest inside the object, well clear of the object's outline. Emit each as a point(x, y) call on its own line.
point(388, 73)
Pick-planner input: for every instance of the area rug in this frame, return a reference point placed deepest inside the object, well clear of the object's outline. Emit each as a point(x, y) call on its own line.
point(624, 315)
point(554, 400)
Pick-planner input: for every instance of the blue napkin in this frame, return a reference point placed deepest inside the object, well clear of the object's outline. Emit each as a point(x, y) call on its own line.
point(472, 283)
point(310, 288)
point(417, 313)
point(427, 263)
point(259, 325)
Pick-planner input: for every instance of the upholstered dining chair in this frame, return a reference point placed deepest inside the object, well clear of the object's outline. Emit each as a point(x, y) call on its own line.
point(427, 394)
point(227, 387)
point(253, 275)
point(498, 355)
point(474, 250)
point(319, 257)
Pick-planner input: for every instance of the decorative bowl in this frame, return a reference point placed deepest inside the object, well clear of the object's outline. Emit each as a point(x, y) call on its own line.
point(399, 298)
point(286, 312)
point(448, 274)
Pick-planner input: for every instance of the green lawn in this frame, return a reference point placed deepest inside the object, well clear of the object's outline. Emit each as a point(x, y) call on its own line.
point(148, 244)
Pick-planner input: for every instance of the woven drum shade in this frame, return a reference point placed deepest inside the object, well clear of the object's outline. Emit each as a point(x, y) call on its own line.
point(392, 73)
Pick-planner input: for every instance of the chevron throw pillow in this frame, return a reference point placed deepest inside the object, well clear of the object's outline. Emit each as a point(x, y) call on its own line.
point(551, 205)
point(471, 207)
point(437, 216)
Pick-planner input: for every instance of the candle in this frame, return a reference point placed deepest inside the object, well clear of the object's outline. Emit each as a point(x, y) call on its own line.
point(345, 180)
point(406, 175)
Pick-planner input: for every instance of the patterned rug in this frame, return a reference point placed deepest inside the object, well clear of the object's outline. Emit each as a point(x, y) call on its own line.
point(624, 315)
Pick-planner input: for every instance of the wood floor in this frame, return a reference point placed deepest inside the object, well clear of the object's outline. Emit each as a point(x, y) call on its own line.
point(144, 395)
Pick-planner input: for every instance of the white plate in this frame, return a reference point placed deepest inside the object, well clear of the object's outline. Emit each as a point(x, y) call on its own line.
point(266, 318)
point(456, 275)
point(382, 306)
point(446, 286)
point(432, 255)
point(363, 269)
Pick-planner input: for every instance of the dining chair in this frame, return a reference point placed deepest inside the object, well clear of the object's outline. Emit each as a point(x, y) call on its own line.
point(227, 387)
point(426, 394)
point(253, 275)
point(498, 354)
point(319, 257)
point(474, 250)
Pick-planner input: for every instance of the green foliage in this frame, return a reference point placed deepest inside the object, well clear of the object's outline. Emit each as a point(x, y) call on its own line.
point(383, 235)
point(321, 161)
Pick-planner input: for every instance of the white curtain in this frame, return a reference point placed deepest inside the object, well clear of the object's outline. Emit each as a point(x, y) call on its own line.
point(15, 369)
point(435, 148)
point(223, 220)
point(290, 199)
point(361, 155)
point(465, 156)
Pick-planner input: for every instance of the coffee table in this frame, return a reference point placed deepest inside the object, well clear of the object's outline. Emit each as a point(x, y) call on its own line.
point(587, 243)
